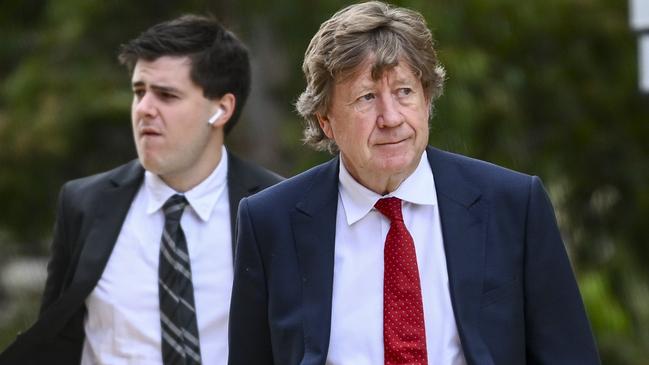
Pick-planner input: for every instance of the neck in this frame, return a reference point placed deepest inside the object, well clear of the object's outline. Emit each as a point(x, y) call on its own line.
point(382, 183)
point(185, 180)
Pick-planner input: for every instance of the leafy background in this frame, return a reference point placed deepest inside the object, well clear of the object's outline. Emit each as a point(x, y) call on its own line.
point(547, 87)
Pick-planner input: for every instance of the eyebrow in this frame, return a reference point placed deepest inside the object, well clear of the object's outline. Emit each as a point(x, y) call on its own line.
point(362, 86)
point(157, 88)
point(368, 84)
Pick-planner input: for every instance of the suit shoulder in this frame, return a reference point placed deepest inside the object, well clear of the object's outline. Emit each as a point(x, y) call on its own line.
point(290, 190)
point(91, 183)
point(464, 179)
point(483, 172)
point(252, 172)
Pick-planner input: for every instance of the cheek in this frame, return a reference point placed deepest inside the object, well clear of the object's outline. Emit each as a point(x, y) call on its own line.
point(419, 120)
point(133, 108)
point(356, 137)
point(353, 131)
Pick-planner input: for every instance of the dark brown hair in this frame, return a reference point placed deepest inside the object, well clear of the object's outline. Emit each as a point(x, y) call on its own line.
point(219, 60)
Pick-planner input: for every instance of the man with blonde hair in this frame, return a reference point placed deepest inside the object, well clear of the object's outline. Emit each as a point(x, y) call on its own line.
point(396, 252)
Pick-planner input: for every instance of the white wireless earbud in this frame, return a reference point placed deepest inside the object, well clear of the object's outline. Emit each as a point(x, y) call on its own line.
point(216, 116)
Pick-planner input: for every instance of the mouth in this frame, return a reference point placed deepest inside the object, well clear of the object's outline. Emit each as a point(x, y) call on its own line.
point(391, 142)
point(149, 132)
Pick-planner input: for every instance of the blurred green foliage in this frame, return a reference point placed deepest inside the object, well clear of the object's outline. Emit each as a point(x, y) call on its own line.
point(547, 87)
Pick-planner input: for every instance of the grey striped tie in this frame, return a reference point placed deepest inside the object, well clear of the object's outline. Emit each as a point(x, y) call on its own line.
point(177, 311)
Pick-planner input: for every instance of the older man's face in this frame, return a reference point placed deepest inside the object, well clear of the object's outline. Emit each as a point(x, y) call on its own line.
point(380, 126)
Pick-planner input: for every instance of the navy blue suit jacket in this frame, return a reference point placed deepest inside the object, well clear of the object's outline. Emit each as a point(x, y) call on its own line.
point(514, 295)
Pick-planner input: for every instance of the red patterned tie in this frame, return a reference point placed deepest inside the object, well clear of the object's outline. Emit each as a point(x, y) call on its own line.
point(404, 335)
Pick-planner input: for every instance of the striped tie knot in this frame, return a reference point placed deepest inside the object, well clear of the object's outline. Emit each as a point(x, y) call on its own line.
point(173, 208)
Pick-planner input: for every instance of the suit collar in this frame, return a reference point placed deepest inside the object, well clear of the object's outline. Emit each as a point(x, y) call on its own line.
point(449, 180)
point(240, 182)
point(202, 198)
point(322, 187)
point(126, 175)
point(113, 201)
point(358, 201)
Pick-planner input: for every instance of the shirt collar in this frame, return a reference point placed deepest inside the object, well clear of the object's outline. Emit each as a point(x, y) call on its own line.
point(357, 200)
point(202, 198)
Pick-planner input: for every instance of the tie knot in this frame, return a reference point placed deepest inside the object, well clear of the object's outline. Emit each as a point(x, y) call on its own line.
point(390, 207)
point(173, 208)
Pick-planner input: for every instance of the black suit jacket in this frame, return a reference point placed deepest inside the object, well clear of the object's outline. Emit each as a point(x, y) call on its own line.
point(514, 296)
point(90, 214)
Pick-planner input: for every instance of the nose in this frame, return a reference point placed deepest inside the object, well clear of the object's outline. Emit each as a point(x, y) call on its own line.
point(389, 112)
point(144, 107)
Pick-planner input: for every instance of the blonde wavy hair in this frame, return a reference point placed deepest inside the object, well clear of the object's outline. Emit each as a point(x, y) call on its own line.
point(347, 39)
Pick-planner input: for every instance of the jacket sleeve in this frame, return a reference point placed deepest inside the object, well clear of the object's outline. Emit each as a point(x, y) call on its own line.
point(249, 333)
point(557, 329)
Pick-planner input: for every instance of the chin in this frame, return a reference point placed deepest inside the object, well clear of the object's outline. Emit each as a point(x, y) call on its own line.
point(151, 164)
point(398, 164)
point(392, 167)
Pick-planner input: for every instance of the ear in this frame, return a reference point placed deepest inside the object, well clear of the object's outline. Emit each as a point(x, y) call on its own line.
point(226, 103)
point(325, 125)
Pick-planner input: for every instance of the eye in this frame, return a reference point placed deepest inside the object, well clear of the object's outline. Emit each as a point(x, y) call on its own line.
point(404, 91)
point(138, 93)
point(167, 96)
point(367, 97)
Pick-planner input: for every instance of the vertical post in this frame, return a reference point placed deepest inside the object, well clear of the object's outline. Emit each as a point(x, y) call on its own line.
point(643, 62)
point(639, 18)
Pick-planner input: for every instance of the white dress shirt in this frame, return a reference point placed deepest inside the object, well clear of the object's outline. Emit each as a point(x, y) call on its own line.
point(123, 321)
point(357, 304)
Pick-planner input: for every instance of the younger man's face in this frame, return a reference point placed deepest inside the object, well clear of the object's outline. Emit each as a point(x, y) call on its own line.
point(169, 117)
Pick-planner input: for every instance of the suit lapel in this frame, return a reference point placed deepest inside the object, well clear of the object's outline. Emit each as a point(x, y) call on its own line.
point(111, 206)
point(314, 229)
point(103, 224)
point(463, 217)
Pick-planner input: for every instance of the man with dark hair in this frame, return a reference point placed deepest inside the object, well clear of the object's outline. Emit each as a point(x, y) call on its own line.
point(395, 252)
point(141, 266)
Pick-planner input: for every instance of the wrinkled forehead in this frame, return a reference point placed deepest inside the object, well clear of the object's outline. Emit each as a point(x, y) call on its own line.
point(373, 67)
